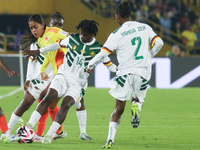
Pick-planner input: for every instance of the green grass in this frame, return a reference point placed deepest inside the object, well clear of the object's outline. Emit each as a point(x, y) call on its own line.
point(170, 120)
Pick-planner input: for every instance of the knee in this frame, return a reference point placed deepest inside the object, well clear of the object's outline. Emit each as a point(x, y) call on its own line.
point(50, 97)
point(67, 103)
point(25, 104)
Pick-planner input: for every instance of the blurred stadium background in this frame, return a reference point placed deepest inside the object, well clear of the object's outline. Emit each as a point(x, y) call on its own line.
point(168, 72)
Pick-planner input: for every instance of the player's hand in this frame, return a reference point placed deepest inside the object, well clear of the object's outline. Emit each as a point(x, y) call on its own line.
point(44, 76)
point(90, 71)
point(11, 73)
point(29, 53)
point(26, 85)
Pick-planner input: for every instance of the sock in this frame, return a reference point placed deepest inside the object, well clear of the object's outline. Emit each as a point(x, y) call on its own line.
point(3, 124)
point(82, 117)
point(34, 119)
point(139, 105)
point(54, 127)
point(53, 113)
point(12, 122)
point(112, 131)
point(42, 122)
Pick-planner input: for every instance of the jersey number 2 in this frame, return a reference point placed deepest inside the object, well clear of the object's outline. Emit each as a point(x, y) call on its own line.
point(133, 41)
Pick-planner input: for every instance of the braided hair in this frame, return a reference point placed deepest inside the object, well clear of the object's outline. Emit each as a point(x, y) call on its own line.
point(89, 26)
point(123, 10)
point(28, 39)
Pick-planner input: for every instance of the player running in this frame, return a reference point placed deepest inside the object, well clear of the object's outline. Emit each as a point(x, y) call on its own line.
point(71, 80)
point(131, 41)
point(3, 122)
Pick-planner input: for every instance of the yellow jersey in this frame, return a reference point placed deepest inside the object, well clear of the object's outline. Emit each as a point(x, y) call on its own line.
point(50, 36)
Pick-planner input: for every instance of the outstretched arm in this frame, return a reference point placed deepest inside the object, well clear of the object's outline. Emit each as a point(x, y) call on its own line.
point(96, 60)
point(6, 69)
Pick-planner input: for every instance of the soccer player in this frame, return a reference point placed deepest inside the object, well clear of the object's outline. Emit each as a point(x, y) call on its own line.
point(56, 20)
point(43, 35)
point(71, 80)
point(3, 122)
point(131, 41)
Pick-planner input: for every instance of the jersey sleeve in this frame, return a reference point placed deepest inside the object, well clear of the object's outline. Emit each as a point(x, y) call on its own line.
point(64, 42)
point(45, 64)
point(152, 36)
point(110, 44)
point(106, 61)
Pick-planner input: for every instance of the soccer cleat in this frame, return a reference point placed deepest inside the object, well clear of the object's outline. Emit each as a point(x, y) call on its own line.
point(21, 122)
point(11, 138)
point(84, 136)
point(135, 115)
point(109, 144)
point(61, 135)
point(38, 138)
point(46, 139)
point(4, 136)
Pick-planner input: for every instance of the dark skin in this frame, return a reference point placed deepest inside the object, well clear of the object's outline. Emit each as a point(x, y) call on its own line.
point(10, 73)
point(120, 105)
point(6, 69)
point(68, 101)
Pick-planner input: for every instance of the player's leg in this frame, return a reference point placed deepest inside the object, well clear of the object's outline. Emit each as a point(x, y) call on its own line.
point(114, 122)
point(53, 110)
point(42, 122)
point(55, 90)
point(139, 92)
point(18, 112)
point(52, 94)
point(67, 102)
point(82, 119)
point(121, 91)
point(3, 124)
point(73, 94)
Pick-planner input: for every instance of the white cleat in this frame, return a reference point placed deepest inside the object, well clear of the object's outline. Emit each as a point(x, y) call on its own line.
point(61, 135)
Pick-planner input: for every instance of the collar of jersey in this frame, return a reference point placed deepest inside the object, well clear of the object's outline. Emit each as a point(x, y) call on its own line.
point(88, 43)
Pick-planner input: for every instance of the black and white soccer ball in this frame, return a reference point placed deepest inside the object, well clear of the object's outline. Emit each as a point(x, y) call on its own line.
point(25, 134)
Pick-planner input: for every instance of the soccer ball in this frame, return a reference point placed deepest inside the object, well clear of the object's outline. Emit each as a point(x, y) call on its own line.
point(25, 134)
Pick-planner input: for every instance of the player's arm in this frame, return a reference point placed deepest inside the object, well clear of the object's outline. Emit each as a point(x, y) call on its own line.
point(6, 69)
point(155, 41)
point(30, 68)
point(51, 47)
point(102, 54)
point(43, 68)
point(157, 45)
point(108, 63)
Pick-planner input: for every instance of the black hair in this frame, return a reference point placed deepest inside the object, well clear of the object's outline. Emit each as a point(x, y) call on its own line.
point(123, 10)
point(57, 15)
point(89, 26)
point(28, 39)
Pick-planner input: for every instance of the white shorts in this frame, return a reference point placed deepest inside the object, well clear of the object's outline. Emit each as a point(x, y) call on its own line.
point(123, 86)
point(36, 87)
point(67, 88)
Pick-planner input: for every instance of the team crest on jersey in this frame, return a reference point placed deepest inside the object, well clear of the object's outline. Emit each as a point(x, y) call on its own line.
point(74, 47)
point(47, 38)
point(92, 54)
point(36, 88)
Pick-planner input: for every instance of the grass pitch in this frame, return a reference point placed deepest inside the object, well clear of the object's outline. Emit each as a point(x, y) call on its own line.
point(170, 120)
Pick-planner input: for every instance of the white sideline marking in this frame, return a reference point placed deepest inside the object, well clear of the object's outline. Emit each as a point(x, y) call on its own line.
point(11, 93)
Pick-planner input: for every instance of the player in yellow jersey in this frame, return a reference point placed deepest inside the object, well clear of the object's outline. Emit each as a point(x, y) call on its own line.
point(56, 20)
point(44, 36)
